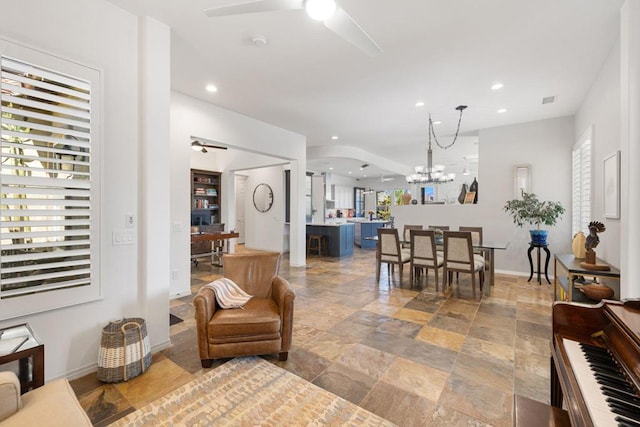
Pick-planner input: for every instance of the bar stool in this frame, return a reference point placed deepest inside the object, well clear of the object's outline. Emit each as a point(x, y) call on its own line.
point(317, 243)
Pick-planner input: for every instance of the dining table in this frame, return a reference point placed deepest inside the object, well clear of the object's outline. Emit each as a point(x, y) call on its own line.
point(487, 247)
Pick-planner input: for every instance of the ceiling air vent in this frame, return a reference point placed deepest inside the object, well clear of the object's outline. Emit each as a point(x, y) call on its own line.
point(548, 100)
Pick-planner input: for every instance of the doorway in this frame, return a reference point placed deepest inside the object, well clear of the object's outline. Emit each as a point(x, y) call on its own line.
point(240, 183)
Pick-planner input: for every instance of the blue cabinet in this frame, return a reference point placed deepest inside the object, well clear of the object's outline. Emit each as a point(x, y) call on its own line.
point(339, 237)
point(364, 229)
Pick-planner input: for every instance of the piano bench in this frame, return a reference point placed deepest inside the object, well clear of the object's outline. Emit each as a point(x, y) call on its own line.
point(531, 413)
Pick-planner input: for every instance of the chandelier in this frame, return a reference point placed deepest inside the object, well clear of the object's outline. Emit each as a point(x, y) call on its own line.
point(434, 174)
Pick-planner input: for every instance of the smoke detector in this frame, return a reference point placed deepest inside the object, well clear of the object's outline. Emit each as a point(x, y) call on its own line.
point(259, 40)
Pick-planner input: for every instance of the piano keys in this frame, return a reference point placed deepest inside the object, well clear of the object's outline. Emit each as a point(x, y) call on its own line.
point(595, 363)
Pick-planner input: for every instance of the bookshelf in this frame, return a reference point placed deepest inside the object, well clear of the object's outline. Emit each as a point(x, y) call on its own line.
point(205, 197)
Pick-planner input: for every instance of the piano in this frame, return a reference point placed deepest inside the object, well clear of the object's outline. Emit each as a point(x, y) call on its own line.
point(595, 363)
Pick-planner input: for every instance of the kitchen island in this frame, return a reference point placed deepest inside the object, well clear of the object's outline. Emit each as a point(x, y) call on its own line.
point(366, 228)
point(339, 237)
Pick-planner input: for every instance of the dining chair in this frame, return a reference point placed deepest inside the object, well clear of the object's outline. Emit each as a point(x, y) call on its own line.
point(388, 251)
point(476, 240)
point(406, 236)
point(476, 234)
point(458, 257)
point(424, 254)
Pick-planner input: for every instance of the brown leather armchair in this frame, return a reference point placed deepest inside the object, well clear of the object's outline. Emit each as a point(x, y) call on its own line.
point(263, 326)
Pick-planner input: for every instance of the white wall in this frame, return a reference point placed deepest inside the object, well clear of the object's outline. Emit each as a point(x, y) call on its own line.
point(547, 146)
point(601, 108)
point(192, 117)
point(630, 148)
point(97, 34)
point(264, 230)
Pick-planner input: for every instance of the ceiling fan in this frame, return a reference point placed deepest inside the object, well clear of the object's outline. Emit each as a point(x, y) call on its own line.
point(332, 16)
point(200, 146)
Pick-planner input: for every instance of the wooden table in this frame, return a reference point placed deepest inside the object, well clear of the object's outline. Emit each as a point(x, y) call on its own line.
point(22, 344)
point(488, 247)
point(571, 267)
point(216, 256)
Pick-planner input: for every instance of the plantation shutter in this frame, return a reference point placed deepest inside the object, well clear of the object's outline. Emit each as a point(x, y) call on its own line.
point(581, 188)
point(47, 179)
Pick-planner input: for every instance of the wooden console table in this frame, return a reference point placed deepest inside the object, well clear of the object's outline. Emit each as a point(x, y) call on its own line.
point(22, 344)
point(567, 267)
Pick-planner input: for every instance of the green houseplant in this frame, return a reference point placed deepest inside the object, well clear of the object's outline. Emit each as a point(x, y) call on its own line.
point(530, 210)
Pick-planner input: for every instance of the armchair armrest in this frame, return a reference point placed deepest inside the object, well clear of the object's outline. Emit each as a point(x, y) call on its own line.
point(10, 401)
point(283, 296)
point(205, 305)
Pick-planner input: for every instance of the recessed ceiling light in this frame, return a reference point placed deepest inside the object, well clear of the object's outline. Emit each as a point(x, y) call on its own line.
point(437, 122)
point(331, 168)
point(349, 172)
point(497, 86)
point(364, 176)
point(502, 110)
point(211, 88)
point(419, 104)
point(334, 137)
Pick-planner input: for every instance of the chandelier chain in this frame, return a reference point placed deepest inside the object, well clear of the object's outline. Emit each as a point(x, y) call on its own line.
point(435, 138)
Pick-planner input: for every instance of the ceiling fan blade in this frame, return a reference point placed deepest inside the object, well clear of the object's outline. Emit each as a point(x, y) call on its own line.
point(219, 147)
point(197, 145)
point(343, 25)
point(255, 6)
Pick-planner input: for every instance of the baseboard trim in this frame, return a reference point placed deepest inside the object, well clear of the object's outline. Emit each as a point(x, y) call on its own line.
point(93, 367)
point(513, 273)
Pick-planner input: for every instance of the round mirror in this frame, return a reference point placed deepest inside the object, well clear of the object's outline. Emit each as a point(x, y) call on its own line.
point(263, 197)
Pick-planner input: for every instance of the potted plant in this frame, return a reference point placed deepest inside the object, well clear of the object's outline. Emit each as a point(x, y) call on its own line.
point(530, 210)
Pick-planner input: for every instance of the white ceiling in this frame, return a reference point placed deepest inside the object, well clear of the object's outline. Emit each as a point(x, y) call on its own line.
point(442, 52)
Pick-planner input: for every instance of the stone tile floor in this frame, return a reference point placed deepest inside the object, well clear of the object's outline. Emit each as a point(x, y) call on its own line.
point(407, 353)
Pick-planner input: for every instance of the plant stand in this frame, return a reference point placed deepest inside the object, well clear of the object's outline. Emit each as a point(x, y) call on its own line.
point(538, 246)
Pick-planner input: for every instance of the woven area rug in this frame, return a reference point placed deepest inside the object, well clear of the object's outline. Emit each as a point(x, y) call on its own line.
point(250, 391)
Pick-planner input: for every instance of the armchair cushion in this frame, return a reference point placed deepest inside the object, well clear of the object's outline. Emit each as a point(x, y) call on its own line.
point(259, 320)
point(54, 404)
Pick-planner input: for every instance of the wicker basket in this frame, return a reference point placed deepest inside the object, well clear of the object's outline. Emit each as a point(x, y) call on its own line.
point(124, 350)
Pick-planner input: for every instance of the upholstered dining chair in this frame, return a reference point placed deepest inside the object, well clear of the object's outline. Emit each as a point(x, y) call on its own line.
point(406, 236)
point(476, 239)
point(264, 324)
point(476, 234)
point(388, 251)
point(458, 257)
point(439, 227)
point(424, 254)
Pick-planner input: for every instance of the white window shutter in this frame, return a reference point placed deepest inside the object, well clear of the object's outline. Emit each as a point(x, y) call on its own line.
point(49, 181)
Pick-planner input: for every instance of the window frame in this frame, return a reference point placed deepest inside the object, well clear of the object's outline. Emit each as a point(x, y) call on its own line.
point(582, 182)
point(51, 299)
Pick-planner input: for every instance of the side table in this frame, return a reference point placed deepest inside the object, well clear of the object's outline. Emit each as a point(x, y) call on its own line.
point(538, 246)
point(22, 344)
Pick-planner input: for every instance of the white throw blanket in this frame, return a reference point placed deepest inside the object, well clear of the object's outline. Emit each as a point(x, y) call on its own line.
point(228, 294)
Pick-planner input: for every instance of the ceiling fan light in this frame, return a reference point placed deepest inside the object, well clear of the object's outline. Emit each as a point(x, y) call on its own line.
point(320, 9)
